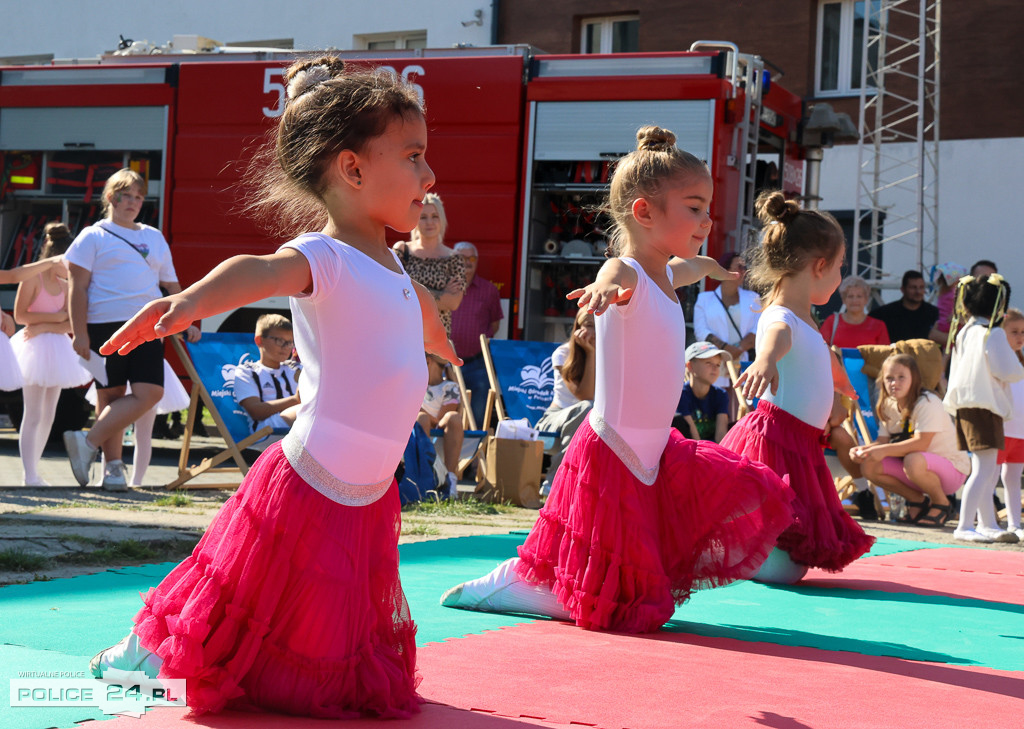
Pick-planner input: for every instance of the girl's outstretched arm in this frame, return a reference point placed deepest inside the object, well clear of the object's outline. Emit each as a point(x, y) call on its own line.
point(614, 285)
point(763, 372)
point(22, 273)
point(686, 271)
point(435, 338)
point(235, 282)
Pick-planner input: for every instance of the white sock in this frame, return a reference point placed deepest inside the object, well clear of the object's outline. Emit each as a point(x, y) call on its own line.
point(977, 494)
point(1011, 490)
point(502, 591)
point(779, 569)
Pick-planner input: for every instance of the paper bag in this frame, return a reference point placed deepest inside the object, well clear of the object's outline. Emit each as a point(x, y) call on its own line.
point(510, 470)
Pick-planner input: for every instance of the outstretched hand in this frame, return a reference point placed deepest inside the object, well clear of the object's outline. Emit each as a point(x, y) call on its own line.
point(443, 348)
point(155, 320)
point(757, 378)
point(597, 297)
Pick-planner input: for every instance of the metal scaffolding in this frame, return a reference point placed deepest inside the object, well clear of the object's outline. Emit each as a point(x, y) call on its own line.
point(898, 151)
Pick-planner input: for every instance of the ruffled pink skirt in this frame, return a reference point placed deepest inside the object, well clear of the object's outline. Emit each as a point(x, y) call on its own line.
point(822, 534)
point(291, 603)
point(620, 554)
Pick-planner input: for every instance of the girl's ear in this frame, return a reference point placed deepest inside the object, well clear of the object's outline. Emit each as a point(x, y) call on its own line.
point(819, 266)
point(642, 212)
point(346, 166)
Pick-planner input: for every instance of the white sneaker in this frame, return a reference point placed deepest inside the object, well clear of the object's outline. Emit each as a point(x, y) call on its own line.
point(970, 535)
point(1020, 534)
point(126, 655)
point(998, 535)
point(114, 477)
point(80, 453)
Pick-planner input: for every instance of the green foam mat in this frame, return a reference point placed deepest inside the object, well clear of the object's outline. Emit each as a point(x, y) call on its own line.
point(884, 546)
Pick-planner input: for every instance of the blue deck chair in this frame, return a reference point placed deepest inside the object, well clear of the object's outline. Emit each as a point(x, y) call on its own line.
point(210, 364)
point(864, 413)
point(522, 380)
point(475, 439)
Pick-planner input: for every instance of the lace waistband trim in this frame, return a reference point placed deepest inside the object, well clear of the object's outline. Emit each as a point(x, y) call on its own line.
point(325, 482)
point(622, 449)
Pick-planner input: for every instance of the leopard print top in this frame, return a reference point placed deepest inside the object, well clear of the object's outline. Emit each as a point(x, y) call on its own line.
point(435, 274)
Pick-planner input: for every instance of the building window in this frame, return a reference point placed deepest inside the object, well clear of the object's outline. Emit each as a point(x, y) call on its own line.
point(391, 41)
point(614, 34)
point(840, 47)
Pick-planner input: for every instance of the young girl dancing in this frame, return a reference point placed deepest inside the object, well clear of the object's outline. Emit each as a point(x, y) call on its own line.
point(639, 516)
point(916, 452)
point(47, 360)
point(982, 367)
point(291, 602)
point(798, 263)
point(1012, 456)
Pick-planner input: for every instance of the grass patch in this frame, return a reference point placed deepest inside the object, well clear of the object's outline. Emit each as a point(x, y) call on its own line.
point(78, 538)
point(419, 530)
point(129, 551)
point(459, 508)
point(178, 498)
point(18, 560)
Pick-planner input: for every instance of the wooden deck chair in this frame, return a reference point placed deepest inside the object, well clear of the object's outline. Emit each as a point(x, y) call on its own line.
point(522, 381)
point(210, 365)
point(474, 440)
point(861, 424)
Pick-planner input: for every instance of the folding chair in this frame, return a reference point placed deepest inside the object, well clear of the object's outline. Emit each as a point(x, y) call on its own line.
point(210, 364)
point(522, 380)
point(735, 369)
point(471, 451)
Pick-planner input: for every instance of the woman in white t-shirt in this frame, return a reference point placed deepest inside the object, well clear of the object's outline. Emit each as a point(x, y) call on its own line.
point(574, 366)
point(916, 453)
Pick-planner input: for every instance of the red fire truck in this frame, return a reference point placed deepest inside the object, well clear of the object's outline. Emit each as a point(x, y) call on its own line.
point(521, 143)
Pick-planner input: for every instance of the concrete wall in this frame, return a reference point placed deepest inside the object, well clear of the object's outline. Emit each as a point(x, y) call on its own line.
point(979, 194)
point(86, 28)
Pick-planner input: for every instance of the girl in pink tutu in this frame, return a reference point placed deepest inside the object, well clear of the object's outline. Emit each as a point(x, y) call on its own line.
point(797, 265)
point(291, 602)
point(10, 369)
point(45, 356)
point(638, 516)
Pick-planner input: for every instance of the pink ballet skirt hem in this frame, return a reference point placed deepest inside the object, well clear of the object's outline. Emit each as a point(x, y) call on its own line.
point(620, 555)
point(822, 535)
point(290, 603)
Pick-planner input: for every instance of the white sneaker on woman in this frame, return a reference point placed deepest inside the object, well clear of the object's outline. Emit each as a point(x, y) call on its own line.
point(127, 655)
point(998, 535)
point(970, 535)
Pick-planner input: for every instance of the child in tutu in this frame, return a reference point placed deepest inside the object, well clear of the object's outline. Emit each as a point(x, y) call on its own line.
point(47, 360)
point(638, 516)
point(10, 369)
point(797, 265)
point(1012, 456)
point(982, 367)
point(291, 602)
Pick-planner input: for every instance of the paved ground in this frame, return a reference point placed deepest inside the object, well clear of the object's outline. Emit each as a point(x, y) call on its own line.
point(63, 530)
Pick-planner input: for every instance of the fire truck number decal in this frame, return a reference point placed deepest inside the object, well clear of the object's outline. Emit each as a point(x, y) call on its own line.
point(273, 83)
point(276, 87)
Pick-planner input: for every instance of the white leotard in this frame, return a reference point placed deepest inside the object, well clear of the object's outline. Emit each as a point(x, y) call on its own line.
point(805, 372)
point(640, 371)
point(360, 337)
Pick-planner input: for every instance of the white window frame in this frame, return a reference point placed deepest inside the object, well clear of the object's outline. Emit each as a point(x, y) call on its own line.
point(607, 23)
point(362, 42)
point(845, 60)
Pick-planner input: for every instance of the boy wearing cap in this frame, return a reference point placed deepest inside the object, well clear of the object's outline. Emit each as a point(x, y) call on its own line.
point(703, 412)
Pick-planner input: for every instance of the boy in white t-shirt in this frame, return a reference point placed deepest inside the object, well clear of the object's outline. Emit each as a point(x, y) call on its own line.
point(268, 389)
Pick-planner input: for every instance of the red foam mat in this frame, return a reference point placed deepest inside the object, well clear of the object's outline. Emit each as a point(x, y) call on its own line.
point(433, 716)
point(980, 574)
point(563, 674)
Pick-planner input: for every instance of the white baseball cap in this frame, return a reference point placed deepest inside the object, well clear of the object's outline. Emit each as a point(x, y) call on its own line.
point(704, 350)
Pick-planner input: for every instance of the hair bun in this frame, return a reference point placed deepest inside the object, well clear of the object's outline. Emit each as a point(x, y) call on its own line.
point(307, 75)
point(773, 207)
point(654, 139)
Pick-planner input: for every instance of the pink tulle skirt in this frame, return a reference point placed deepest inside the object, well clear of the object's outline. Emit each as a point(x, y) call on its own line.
point(291, 603)
point(620, 555)
point(822, 534)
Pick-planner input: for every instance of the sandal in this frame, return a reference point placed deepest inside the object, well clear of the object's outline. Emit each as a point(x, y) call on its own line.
point(927, 519)
point(922, 507)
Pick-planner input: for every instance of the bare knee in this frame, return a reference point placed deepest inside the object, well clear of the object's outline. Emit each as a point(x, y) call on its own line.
point(915, 465)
